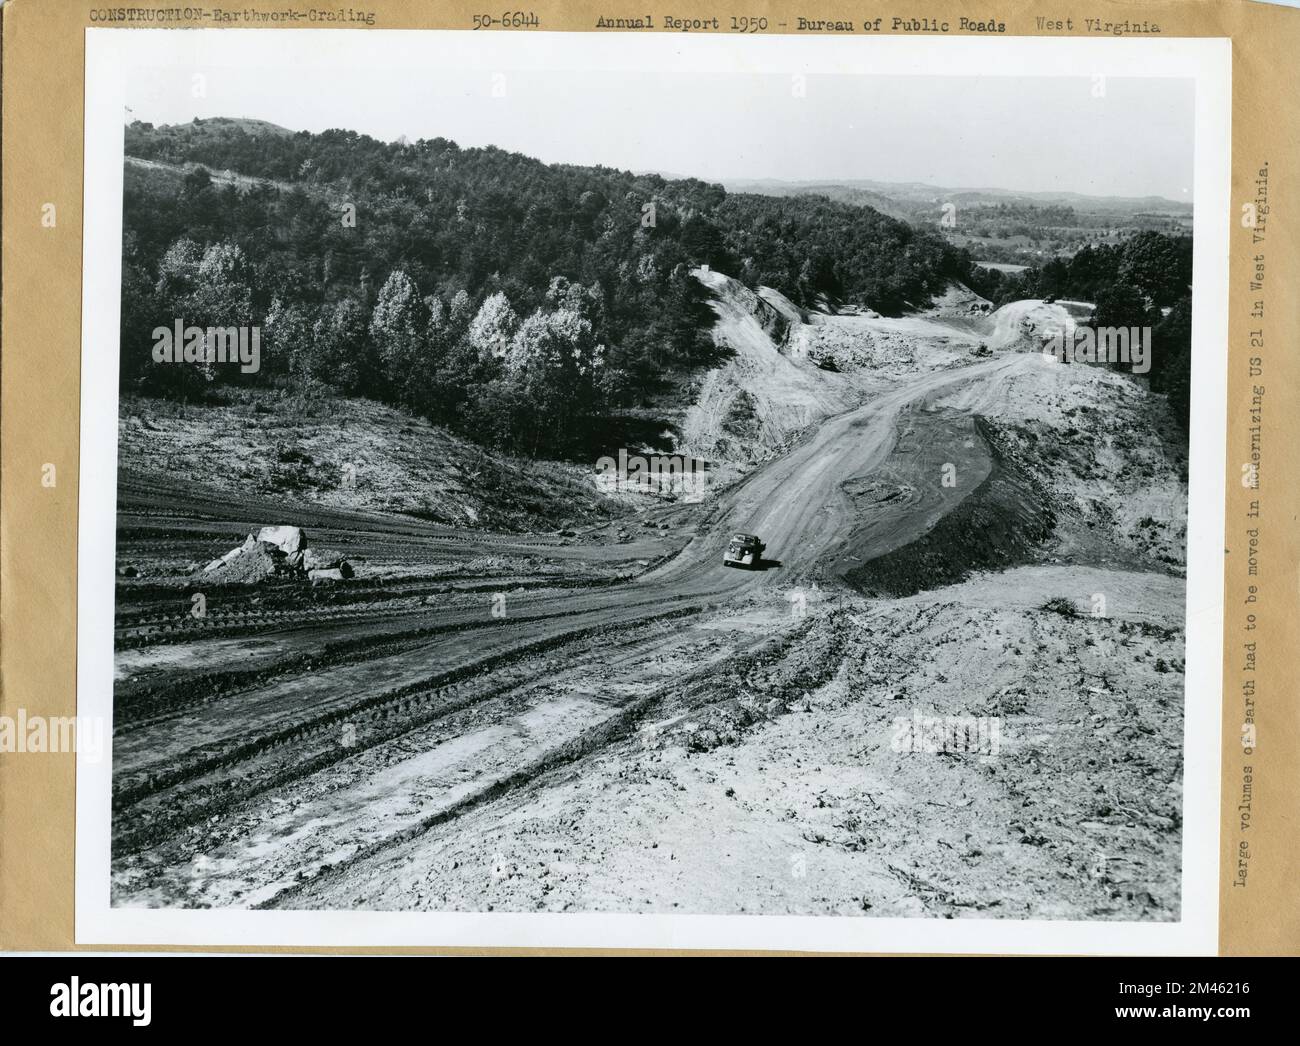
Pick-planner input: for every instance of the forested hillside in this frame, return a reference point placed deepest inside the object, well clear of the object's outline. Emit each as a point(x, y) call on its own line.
point(511, 300)
point(1146, 281)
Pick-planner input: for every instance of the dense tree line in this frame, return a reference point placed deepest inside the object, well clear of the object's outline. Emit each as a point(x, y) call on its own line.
point(1146, 281)
point(506, 298)
point(806, 246)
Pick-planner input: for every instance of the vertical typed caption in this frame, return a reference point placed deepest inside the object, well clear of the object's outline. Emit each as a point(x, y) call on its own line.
point(1250, 525)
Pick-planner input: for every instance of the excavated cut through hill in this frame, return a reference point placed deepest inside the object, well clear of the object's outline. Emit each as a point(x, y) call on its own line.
point(948, 503)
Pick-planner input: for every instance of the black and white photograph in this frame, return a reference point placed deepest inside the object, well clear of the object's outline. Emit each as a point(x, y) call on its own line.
point(557, 487)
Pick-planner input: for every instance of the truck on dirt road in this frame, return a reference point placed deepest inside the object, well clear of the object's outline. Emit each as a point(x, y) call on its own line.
point(743, 550)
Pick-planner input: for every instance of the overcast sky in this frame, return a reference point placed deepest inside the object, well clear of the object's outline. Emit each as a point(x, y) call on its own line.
point(1040, 133)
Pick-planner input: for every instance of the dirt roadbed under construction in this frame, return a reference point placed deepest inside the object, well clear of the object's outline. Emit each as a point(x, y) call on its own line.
point(609, 719)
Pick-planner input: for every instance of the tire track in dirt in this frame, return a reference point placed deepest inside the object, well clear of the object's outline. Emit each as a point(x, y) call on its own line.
point(387, 791)
point(158, 799)
point(797, 502)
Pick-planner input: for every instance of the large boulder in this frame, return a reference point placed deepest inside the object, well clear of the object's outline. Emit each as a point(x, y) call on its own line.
point(286, 539)
point(277, 551)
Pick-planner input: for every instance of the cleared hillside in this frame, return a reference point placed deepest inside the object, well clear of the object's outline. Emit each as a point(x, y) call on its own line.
point(356, 455)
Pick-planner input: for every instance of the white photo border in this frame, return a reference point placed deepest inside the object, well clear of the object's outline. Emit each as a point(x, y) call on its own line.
point(112, 55)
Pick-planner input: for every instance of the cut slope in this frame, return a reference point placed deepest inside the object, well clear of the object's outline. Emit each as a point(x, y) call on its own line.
point(992, 517)
point(758, 401)
point(1104, 447)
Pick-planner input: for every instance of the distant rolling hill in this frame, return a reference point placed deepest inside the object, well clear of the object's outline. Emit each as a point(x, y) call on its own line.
point(901, 199)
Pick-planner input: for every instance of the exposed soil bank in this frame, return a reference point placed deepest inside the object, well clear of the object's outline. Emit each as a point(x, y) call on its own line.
point(997, 525)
